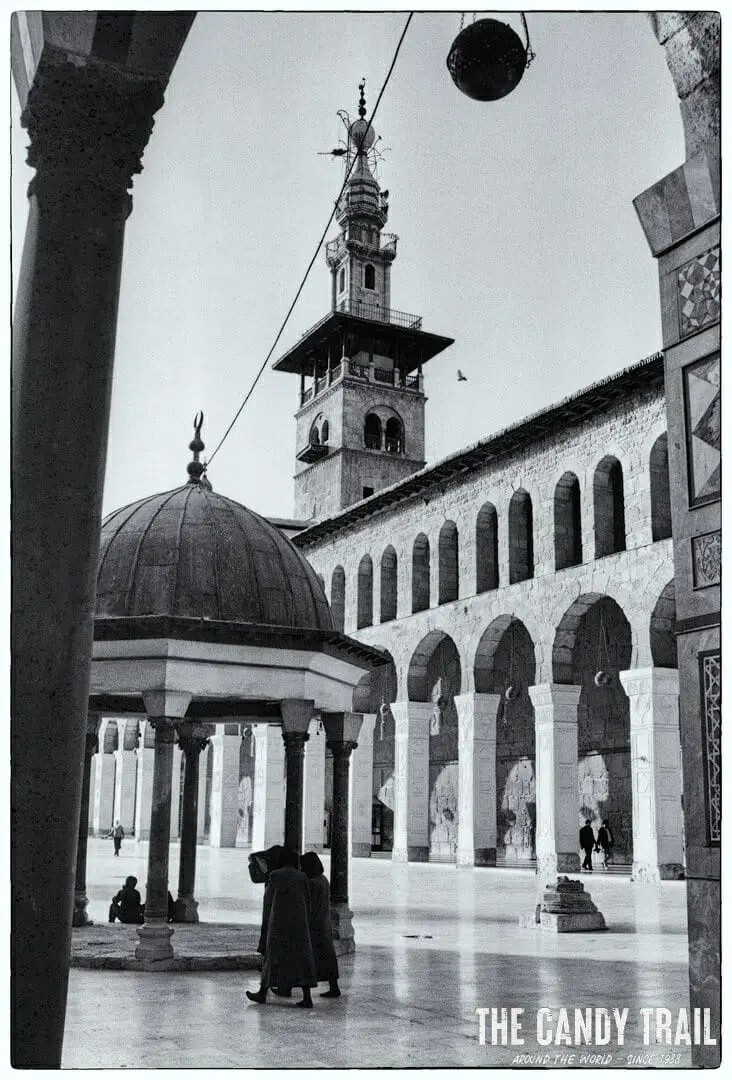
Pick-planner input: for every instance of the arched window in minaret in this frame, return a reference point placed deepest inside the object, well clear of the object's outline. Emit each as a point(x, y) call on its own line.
point(325, 433)
point(369, 277)
point(342, 280)
point(520, 537)
point(420, 574)
point(314, 436)
point(394, 435)
point(338, 597)
point(448, 563)
point(372, 432)
point(365, 594)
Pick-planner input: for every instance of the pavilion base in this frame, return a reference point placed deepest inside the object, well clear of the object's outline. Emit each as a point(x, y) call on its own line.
point(649, 873)
point(198, 947)
point(476, 857)
point(80, 917)
point(565, 908)
point(186, 910)
point(412, 854)
point(361, 851)
point(341, 918)
point(154, 946)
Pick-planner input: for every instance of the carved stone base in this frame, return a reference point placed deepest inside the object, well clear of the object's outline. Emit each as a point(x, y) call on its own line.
point(341, 920)
point(476, 857)
point(564, 908)
point(361, 851)
point(186, 909)
point(412, 854)
point(573, 923)
point(154, 944)
point(648, 873)
point(559, 862)
point(80, 917)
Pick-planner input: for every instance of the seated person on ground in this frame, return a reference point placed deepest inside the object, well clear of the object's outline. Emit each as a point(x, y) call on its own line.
point(126, 905)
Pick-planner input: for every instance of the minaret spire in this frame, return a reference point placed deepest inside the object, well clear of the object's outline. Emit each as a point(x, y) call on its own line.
point(362, 99)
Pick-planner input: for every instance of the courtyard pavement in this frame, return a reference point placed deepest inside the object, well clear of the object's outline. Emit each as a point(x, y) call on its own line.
point(433, 944)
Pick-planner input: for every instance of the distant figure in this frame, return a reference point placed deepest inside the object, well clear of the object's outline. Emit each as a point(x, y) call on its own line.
point(605, 843)
point(288, 954)
point(587, 843)
point(118, 835)
point(126, 905)
point(321, 931)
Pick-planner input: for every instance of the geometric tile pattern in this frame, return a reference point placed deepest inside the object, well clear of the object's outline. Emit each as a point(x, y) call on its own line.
point(699, 284)
point(711, 681)
point(703, 428)
point(707, 559)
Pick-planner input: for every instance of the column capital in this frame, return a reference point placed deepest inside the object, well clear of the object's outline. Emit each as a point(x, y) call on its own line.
point(296, 715)
point(414, 714)
point(294, 740)
point(169, 704)
point(544, 695)
point(663, 682)
point(477, 715)
point(164, 728)
point(342, 727)
point(341, 748)
point(192, 743)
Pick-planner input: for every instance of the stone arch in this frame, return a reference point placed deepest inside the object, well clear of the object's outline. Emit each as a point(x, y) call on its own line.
point(662, 629)
point(314, 434)
point(338, 597)
point(660, 489)
point(594, 634)
point(420, 574)
point(394, 435)
point(389, 568)
point(110, 742)
point(372, 431)
point(520, 537)
point(567, 522)
point(486, 549)
point(365, 593)
point(609, 507)
point(378, 696)
point(505, 658)
point(448, 583)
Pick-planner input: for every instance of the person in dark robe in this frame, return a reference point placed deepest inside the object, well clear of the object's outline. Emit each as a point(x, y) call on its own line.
point(321, 930)
point(587, 843)
point(288, 953)
point(126, 905)
point(605, 842)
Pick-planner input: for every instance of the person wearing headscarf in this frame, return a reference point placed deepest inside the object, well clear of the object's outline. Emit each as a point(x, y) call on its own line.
point(288, 953)
point(321, 930)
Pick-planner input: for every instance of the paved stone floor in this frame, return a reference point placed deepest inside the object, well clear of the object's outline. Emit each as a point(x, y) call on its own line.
point(434, 943)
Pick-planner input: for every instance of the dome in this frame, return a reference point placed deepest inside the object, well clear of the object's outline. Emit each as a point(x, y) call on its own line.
point(193, 553)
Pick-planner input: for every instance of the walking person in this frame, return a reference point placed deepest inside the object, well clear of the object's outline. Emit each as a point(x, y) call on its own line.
point(321, 930)
point(118, 835)
point(587, 843)
point(288, 953)
point(605, 843)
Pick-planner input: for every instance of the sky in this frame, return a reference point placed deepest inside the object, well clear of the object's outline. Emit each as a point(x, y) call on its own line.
point(518, 235)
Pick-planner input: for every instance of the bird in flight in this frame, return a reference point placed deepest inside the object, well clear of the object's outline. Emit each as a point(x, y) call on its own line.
point(461, 377)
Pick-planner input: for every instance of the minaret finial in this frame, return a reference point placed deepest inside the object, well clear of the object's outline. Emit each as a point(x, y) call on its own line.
point(196, 468)
point(362, 99)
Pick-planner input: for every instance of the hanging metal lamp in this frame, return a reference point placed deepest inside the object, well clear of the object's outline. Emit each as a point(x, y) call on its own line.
point(513, 690)
point(603, 677)
point(487, 59)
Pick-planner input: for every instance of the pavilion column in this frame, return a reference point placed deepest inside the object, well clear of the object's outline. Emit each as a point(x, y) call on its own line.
point(477, 778)
point(175, 793)
point(80, 917)
point(655, 762)
point(192, 742)
point(202, 785)
point(125, 779)
point(269, 788)
point(296, 717)
point(224, 746)
point(144, 779)
point(165, 708)
point(313, 811)
point(557, 788)
point(411, 780)
point(342, 730)
point(362, 788)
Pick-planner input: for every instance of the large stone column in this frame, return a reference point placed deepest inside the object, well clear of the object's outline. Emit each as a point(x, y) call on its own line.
point(224, 746)
point(154, 947)
point(125, 778)
point(296, 717)
point(655, 762)
point(102, 797)
point(313, 801)
point(557, 789)
point(192, 740)
point(268, 826)
point(342, 730)
point(88, 121)
point(80, 917)
point(477, 778)
point(362, 788)
point(411, 780)
point(144, 779)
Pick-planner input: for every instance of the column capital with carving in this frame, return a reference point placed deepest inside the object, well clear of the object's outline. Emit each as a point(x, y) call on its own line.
point(663, 682)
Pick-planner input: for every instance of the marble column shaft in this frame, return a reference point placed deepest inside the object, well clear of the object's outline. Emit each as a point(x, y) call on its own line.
point(80, 917)
point(225, 746)
point(557, 788)
point(125, 783)
point(411, 780)
point(477, 778)
point(144, 779)
point(103, 795)
point(362, 788)
point(313, 802)
point(269, 788)
point(655, 762)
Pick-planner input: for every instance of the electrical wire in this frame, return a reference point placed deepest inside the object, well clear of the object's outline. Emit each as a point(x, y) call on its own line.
point(258, 376)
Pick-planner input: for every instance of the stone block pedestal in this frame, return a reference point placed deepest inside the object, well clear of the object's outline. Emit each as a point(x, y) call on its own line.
point(565, 908)
point(341, 918)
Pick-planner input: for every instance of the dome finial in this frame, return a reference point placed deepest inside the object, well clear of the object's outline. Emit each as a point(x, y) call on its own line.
point(196, 467)
point(362, 99)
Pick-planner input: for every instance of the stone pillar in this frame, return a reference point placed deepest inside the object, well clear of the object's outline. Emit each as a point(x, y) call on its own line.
point(655, 762)
point(103, 795)
point(268, 827)
point(342, 730)
point(202, 770)
point(192, 740)
point(175, 793)
point(362, 788)
point(411, 780)
point(557, 789)
point(296, 717)
point(80, 917)
point(477, 778)
point(125, 780)
point(144, 778)
point(224, 746)
point(92, 787)
point(313, 801)
point(88, 124)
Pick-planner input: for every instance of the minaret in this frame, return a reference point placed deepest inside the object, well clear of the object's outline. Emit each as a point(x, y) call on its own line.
point(360, 423)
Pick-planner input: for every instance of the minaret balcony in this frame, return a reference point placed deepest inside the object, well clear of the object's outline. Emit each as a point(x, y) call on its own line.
point(377, 313)
point(312, 452)
point(352, 369)
point(385, 248)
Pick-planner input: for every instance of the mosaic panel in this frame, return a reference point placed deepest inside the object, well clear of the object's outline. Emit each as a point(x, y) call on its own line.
point(711, 694)
point(703, 429)
point(699, 283)
point(706, 555)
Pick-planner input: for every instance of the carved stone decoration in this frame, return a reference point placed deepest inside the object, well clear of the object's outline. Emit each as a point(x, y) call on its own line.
point(564, 908)
point(706, 556)
point(702, 406)
point(699, 292)
point(711, 694)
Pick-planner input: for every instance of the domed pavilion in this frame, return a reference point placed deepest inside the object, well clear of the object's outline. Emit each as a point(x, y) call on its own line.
point(207, 614)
